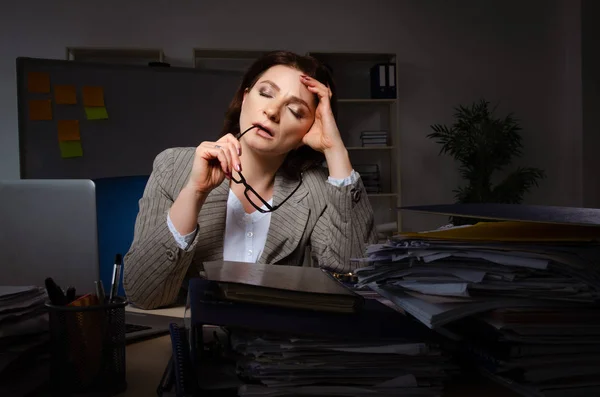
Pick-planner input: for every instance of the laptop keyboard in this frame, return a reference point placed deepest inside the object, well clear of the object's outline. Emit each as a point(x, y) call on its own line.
point(135, 328)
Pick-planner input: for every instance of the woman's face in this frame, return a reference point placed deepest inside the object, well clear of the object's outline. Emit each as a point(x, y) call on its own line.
point(281, 108)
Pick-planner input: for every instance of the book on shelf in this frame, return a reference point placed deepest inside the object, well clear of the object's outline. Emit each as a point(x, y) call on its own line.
point(374, 138)
point(370, 176)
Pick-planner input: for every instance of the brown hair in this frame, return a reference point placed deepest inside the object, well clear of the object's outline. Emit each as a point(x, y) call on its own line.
point(303, 158)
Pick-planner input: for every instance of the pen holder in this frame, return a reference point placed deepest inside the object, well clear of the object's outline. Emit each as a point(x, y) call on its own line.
point(88, 348)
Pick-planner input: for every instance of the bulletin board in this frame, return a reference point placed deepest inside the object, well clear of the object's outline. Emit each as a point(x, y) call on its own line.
point(97, 120)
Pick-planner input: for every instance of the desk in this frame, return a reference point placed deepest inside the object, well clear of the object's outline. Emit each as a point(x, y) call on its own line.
point(175, 311)
point(146, 362)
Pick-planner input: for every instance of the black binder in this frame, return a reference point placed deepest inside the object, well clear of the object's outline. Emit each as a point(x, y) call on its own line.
point(206, 306)
point(178, 380)
point(373, 320)
point(515, 212)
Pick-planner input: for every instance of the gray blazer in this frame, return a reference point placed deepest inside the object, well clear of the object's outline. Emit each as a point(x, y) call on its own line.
point(335, 222)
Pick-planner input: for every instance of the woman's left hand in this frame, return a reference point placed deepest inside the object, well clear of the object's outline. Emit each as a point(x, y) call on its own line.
point(324, 134)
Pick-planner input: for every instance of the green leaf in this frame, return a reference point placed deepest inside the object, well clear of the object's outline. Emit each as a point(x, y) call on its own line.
point(483, 144)
point(516, 184)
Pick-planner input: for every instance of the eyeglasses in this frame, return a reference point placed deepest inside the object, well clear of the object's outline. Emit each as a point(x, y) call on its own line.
point(249, 188)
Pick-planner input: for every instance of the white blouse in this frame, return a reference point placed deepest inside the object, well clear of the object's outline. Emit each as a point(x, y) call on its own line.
point(245, 234)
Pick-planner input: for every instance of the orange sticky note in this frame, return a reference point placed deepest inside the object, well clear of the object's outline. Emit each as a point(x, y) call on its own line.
point(85, 300)
point(40, 109)
point(92, 96)
point(68, 130)
point(65, 95)
point(38, 82)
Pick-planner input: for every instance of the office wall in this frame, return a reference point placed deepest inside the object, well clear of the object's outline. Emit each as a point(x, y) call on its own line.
point(523, 55)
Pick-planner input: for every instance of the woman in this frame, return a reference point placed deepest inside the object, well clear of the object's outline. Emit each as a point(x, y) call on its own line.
point(259, 193)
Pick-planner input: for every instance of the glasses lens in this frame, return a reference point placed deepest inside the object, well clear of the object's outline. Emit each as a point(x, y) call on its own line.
point(257, 201)
point(236, 180)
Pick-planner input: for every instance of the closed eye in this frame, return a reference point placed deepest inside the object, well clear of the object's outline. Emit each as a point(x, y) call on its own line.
point(296, 114)
point(294, 102)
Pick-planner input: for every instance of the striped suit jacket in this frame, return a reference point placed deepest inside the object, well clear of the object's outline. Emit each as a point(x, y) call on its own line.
point(335, 222)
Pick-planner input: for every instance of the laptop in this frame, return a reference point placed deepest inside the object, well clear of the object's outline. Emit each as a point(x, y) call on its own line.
point(48, 228)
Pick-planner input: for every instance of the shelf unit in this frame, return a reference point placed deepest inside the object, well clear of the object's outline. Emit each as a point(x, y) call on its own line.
point(229, 60)
point(357, 112)
point(130, 56)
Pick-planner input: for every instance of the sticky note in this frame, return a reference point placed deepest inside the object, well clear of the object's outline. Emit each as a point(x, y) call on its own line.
point(68, 130)
point(98, 113)
point(38, 82)
point(40, 109)
point(85, 300)
point(69, 149)
point(65, 95)
point(92, 96)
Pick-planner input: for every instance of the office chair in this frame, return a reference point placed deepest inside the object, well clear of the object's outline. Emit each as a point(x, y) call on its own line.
point(116, 208)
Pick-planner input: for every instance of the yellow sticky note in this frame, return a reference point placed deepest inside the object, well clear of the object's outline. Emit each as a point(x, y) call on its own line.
point(65, 95)
point(99, 113)
point(38, 82)
point(68, 130)
point(92, 96)
point(69, 149)
point(40, 109)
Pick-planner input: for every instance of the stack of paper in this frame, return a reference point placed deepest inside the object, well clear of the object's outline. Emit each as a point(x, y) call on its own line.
point(444, 275)
point(23, 339)
point(539, 352)
point(281, 365)
point(458, 280)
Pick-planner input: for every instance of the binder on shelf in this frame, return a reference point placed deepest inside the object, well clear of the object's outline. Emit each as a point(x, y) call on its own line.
point(383, 81)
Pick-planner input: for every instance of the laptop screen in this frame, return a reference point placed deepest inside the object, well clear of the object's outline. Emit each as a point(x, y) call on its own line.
point(48, 228)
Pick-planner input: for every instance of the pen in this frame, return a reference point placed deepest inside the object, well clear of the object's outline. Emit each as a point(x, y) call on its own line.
point(70, 294)
point(55, 294)
point(100, 292)
point(115, 278)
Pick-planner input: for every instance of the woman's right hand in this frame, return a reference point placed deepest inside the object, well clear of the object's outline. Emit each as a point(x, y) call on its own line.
point(213, 161)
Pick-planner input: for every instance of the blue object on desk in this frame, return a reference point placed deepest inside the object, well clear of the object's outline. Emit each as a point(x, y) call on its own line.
point(117, 208)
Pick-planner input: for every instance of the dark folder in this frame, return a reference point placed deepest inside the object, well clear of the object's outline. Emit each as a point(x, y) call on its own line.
point(515, 212)
point(373, 320)
point(278, 285)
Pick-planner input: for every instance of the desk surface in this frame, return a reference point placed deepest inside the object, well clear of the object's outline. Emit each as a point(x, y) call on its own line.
point(146, 362)
point(175, 311)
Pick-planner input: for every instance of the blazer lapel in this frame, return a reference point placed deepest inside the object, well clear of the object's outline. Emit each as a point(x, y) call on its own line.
point(212, 227)
point(288, 222)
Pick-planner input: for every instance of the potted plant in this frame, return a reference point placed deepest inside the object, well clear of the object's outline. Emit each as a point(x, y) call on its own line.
point(483, 144)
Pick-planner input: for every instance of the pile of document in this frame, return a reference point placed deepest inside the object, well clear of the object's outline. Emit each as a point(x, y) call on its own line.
point(279, 365)
point(521, 297)
point(537, 352)
point(23, 339)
